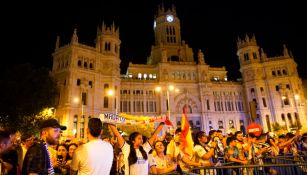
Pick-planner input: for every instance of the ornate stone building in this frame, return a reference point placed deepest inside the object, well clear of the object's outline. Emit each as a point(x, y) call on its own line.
point(270, 91)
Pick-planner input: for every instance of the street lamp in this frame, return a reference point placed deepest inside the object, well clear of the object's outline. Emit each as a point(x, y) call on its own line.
point(76, 100)
point(169, 89)
point(112, 93)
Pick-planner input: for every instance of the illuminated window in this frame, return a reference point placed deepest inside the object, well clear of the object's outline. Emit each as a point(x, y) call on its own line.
point(139, 75)
point(154, 76)
point(150, 76)
point(145, 76)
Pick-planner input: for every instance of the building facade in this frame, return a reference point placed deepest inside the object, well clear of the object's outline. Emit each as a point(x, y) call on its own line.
point(270, 90)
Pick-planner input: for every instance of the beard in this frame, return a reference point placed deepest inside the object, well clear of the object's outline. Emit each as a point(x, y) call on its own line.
point(52, 141)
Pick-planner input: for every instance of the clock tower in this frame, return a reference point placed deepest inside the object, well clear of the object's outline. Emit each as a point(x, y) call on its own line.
point(167, 27)
point(168, 44)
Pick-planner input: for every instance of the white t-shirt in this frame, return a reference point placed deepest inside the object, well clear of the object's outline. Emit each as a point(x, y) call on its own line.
point(93, 158)
point(200, 151)
point(163, 162)
point(141, 166)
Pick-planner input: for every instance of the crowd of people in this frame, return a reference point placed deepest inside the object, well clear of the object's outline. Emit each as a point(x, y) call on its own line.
point(136, 154)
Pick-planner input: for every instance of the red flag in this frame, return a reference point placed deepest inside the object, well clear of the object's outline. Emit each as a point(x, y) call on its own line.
point(168, 122)
point(186, 134)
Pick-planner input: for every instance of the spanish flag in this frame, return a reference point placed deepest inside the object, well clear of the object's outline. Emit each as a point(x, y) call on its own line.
point(186, 134)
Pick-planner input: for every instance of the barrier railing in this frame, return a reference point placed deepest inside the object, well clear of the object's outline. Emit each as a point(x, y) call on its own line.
point(281, 165)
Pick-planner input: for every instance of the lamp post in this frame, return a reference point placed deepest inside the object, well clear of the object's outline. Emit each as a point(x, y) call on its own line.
point(76, 100)
point(112, 93)
point(81, 125)
point(169, 89)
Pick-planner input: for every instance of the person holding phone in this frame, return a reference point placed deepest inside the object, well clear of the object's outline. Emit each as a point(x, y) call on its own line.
point(60, 166)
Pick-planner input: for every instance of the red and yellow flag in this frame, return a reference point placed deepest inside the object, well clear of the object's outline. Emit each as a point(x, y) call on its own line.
point(186, 134)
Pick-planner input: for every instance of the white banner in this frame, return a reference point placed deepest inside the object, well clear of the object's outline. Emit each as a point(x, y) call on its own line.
point(112, 118)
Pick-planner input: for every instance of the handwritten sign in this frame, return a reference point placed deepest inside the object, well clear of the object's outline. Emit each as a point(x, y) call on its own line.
point(112, 118)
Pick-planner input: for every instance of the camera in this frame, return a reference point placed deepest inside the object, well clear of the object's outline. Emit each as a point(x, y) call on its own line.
point(60, 158)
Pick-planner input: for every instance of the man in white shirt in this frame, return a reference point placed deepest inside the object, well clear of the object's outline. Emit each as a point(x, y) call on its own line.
point(94, 157)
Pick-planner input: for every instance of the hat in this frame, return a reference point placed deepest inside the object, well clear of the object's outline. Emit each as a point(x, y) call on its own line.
point(52, 123)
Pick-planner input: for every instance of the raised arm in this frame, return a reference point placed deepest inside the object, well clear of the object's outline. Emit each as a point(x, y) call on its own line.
point(152, 139)
point(120, 139)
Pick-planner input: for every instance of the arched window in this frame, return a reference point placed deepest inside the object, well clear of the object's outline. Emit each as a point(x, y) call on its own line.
point(290, 119)
point(174, 58)
point(78, 82)
point(79, 63)
point(91, 66)
point(190, 111)
point(85, 64)
point(297, 120)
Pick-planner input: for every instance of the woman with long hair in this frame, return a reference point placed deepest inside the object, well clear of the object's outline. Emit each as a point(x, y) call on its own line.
point(62, 155)
point(135, 151)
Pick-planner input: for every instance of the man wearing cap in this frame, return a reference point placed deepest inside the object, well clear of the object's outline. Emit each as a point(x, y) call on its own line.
point(37, 160)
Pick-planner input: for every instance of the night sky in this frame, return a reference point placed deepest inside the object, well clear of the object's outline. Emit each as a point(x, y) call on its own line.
point(29, 29)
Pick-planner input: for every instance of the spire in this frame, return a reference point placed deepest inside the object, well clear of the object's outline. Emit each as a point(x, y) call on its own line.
point(253, 38)
point(103, 27)
point(173, 9)
point(239, 42)
point(57, 43)
point(113, 27)
point(290, 54)
point(263, 54)
point(246, 42)
point(74, 38)
point(246, 38)
point(201, 58)
point(160, 10)
point(286, 53)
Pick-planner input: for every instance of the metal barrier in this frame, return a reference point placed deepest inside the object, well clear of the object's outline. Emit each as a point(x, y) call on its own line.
point(279, 165)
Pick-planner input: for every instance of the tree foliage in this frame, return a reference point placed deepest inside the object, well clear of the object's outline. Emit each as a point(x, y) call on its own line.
point(25, 91)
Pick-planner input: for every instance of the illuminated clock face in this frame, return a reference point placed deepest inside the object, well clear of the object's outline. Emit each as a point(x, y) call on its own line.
point(170, 18)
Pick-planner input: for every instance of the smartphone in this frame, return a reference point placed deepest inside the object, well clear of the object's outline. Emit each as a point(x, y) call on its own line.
point(60, 158)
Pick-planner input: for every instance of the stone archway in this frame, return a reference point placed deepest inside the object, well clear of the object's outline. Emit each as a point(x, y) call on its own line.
point(193, 103)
